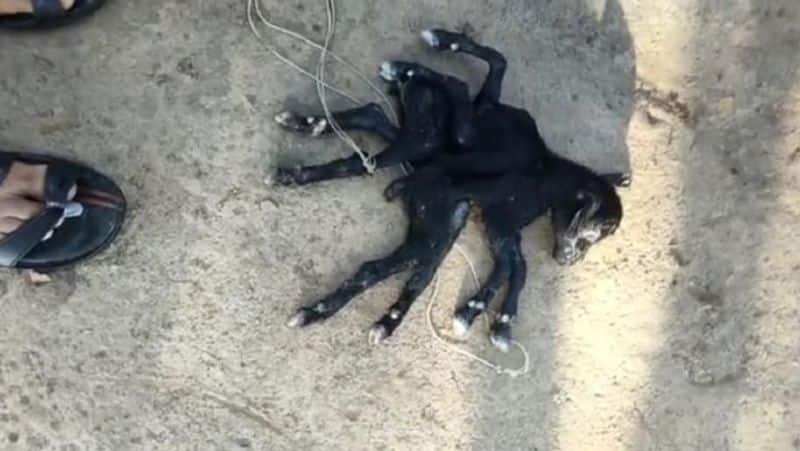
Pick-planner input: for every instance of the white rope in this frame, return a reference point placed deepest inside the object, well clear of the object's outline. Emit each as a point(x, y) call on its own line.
point(460, 249)
point(514, 373)
point(366, 160)
point(254, 7)
point(281, 56)
point(384, 99)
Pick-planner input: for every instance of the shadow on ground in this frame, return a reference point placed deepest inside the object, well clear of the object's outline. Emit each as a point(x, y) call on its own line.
point(573, 66)
point(717, 333)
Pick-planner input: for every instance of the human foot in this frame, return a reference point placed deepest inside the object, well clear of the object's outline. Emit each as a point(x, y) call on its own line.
point(54, 212)
point(22, 196)
point(45, 14)
point(26, 6)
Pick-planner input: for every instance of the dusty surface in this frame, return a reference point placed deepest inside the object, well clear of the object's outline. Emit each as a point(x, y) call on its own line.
point(682, 332)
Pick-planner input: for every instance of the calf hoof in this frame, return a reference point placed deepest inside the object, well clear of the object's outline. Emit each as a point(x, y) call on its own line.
point(460, 326)
point(501, 336)
point(298, 320)
point(465, 316)
point(388, 72)
point(385, 327)
point(397, 71)
point(442, 39)
point(378, 334)
point(311, 314)
point(306, 125)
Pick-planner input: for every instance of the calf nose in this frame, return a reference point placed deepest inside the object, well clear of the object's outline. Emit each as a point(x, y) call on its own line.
point(565, 255)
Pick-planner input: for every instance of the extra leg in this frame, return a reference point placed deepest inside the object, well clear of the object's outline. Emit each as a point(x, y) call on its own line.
point(370, 118)
point(414, 287)
point(459, 42)
point(501, 329)
point(437, 241)
point(368, 275)
point(426, 178)
point(465, 315)
point(400, 151)
point(463, 131)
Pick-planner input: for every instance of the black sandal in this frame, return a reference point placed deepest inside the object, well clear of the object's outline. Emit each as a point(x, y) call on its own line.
point(50, 14)
point(91, 220)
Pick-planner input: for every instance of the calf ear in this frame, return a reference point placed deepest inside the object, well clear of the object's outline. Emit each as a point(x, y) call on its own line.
point(590, 204)
point(618, 179)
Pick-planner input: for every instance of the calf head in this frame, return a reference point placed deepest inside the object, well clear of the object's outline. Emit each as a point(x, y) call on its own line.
point(584, 219)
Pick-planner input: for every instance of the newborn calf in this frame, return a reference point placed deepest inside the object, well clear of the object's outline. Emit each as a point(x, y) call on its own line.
point(483, 151)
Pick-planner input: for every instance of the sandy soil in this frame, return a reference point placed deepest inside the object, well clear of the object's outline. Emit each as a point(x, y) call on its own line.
point(682, 332)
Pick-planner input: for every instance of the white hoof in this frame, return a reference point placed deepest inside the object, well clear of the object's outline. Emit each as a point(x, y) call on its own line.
point(388, 72)
point(460, 326)
point(377, 334)
point(297, 320)
point(319, 128)
point(500, 343)
point(430, 38)
point(284, 118)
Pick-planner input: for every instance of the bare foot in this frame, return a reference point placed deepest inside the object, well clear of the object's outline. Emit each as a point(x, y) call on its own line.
point(26, 6)
point(21, 196)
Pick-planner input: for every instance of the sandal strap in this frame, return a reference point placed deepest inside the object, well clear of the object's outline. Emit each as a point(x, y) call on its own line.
point(58, 181)
point(5, 166)
point(48, 8)
point(21, 241)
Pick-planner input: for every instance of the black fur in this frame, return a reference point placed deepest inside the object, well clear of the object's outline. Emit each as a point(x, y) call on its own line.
point(483, 151)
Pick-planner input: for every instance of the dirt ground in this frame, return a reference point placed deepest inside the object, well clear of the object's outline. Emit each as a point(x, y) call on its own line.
point(681, 332)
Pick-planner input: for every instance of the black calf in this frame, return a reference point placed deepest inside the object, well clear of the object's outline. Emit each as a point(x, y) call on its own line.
point(483, 151)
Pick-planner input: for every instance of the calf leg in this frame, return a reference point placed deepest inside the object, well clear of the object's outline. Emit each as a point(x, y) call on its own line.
point(459, 42)
point(437, 242)
point(427, 178)
point(400, 151)
point(367, 275)
point(370, 118)
point(465, 315)
point(501, 329)
point(416, 284)
point(463, 131)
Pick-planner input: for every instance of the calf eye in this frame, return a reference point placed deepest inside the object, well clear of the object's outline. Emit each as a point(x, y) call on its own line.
point(609, 228)
point(591, 235)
